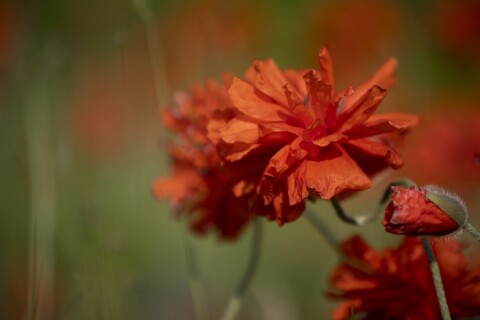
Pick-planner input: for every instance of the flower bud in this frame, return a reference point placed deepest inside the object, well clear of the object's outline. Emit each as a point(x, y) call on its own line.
point(428, 210)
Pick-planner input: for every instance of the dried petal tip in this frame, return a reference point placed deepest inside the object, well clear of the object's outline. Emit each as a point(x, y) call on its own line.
point(428, 210)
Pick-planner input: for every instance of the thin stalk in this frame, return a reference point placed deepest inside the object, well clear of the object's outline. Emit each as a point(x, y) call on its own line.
point(154, 51)
point(366, 219)
point(194, 280)
point(42, 199)
point(437, 279)
point(334, 242)
point(472, 230)
point(325, 232)
point(236, 300)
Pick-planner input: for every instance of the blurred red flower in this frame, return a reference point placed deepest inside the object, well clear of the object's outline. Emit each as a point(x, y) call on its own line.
point(412, 213)
point(456, 27)
point(445, 148)
point(316, 141)
point(206, 33)
point(357, 44)
point(214, 196)
point(397, 283)
point(10, 27)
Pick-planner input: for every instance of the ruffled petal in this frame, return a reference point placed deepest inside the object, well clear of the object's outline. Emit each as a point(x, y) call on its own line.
point(370, 153)
point(295, 78)
point(325, 141)
point(286, 158)
point(384, 78)
point(385, 123)
point(278, 208)
point(320, 99)
point(361, 110)
point(331, 173)
point(326, 68)
point(247, 101)
point(270, 81)
point(239, 131)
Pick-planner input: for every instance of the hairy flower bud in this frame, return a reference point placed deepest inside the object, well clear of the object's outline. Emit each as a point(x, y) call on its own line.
point(428, 210)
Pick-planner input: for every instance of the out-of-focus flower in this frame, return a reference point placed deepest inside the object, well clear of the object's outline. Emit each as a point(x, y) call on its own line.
point(427, 210)
point(214, 195)
point(397, 283)
point(358, 31)
point(109, 101)
point(9, 31)
point(456, 27)
point(206, 33)
point(444, 148)
point(49, 292)
point(98, 119)
point(317, 142)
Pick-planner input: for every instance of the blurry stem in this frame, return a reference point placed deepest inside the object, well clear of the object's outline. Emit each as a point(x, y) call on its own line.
point(437, 279)
point(319, 224)
point(472, 230)
point(365, 219)
point(235, 303)
point(194, 279)
point(333, 241)
point(156, 57)
point(42, 198)
point(356, 220)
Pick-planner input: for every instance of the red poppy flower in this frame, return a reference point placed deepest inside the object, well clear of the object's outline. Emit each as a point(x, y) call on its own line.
point(214, 196)
point(397, 283)
point(429, 210)
point(316, 141)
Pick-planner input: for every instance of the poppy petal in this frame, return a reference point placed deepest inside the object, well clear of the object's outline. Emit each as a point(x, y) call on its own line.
point(248, 102)
point(385, 123)
point(361, 110)
point(384, 78)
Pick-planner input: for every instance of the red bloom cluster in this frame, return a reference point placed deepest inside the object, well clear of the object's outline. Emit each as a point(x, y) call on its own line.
point(318, 142)
point(397, 284)
point(199, 184)
point(268, 142)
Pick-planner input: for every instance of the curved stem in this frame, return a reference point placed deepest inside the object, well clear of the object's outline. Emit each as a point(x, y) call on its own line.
point(235, 303)
point(358, 220)
point(437, 279)
point(365, 219)
point(472, 230)
point(319, 224)
point(153, 49)
point(334, 242)
point(194, 279)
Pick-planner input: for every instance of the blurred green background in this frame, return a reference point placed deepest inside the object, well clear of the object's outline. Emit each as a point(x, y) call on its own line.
point(82, 236)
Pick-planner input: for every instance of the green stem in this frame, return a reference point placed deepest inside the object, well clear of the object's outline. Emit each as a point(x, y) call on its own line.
point(153, 49)
point(319, 224)
point(366, 219)
point(472, 230)
point(334, 242)
point(194, 279)
point(235, 304)
point(437, 279)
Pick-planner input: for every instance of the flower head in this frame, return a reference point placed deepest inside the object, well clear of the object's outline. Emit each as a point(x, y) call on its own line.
point(316, 141)
point(397, 284)
point(428, 210)
point(214, 196)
